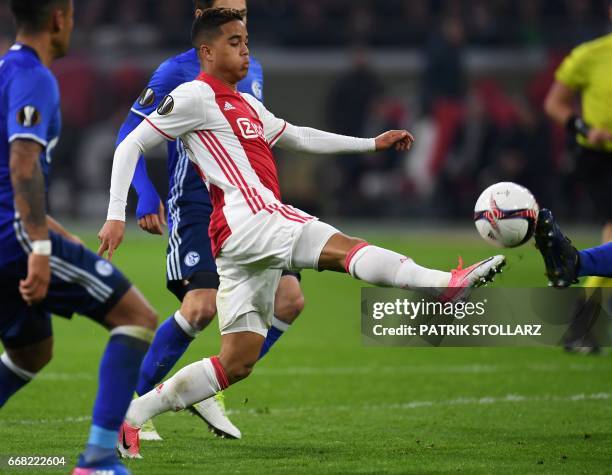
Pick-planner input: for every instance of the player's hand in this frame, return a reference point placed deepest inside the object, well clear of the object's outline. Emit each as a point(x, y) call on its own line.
point(36, 285)
point(599, 136)
point(110, 237)
point(401, 139)
point(154, 223)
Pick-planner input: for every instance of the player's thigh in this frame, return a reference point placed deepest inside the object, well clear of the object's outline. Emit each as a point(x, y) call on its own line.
point(84, 283)
point(289, 299)
point(199, 307)
point(132, 309)
point(25, 331)
point(322, 247)
point(32, 357)
point(245, 291)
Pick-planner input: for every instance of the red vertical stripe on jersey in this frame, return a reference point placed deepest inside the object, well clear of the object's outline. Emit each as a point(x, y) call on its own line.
point(256, 149)
point(252, 191)
point(218, 229)
point(227, 171)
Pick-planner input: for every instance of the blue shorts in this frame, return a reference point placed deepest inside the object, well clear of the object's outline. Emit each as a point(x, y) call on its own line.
point(81, 282)
point(189, 261)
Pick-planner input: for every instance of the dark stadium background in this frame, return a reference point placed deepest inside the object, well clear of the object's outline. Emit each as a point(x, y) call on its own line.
point(467, 76)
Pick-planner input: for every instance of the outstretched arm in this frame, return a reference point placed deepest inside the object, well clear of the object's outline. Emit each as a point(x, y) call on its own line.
point(127, 154)
point(306, 139)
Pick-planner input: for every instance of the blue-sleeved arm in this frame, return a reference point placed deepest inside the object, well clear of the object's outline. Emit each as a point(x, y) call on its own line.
point(33, 101)
point(165, 79)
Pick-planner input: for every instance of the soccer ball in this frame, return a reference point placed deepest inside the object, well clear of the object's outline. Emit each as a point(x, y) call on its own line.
point(505, 214)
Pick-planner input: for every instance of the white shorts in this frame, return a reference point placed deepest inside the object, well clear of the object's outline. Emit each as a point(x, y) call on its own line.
point(251, 262)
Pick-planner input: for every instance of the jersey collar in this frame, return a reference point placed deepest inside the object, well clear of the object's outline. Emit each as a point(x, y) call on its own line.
point(22, 47)
point(216, 83)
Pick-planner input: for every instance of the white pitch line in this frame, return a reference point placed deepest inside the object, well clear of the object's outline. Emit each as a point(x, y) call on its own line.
point(461, 401)
point(66, 376)
point(407, 369)
point(424, 369)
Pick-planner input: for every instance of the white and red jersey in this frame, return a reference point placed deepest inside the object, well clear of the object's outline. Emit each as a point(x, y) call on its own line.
point(228, 136)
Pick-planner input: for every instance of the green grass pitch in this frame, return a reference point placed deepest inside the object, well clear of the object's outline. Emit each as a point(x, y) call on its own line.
point(320, 402)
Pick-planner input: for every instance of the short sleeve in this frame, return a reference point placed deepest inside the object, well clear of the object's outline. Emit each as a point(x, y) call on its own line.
point(33, 101)
point(573, 71)
point(180, 112)
point(273, 126)
point(163, 81)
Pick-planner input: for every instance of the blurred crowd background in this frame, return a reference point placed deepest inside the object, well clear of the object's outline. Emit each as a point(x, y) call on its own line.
point(468, 77)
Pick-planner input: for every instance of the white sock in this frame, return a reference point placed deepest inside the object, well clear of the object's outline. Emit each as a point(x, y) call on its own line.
point(22, 373)
point(379, 266)
point(193, 383)
point(182, 322)
point(280, 325)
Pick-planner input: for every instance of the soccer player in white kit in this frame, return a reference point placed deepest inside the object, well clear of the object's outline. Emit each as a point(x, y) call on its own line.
point(229, 137)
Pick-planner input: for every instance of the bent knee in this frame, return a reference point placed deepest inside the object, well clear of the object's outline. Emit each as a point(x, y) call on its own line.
point(31, 361)
point(146, 317)
point(199, 314)
point(132, 309)
point(289, 308)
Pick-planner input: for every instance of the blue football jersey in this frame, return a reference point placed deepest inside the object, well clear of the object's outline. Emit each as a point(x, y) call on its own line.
point(30, 110)
point(188, 197)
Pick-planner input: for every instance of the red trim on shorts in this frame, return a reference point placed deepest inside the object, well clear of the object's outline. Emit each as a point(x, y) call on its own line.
point(351, 254)
point(220, 373)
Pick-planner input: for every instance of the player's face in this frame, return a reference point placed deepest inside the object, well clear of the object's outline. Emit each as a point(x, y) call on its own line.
point(63, 24)
point(229, 53)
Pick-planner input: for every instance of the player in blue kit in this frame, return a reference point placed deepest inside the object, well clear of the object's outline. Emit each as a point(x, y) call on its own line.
point(43, 268)
point(191, 271)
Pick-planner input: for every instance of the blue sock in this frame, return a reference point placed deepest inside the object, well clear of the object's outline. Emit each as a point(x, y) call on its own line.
point(117, 380)
point(12, 378)
point(169, 344)
point(596, 261)
point(277, 330)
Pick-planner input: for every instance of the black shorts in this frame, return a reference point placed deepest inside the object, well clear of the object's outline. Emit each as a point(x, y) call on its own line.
point(594, 170)
point(81, 282)
point(205, 280)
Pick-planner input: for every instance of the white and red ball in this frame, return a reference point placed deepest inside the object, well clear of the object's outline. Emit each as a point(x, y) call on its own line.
point(505, 214)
